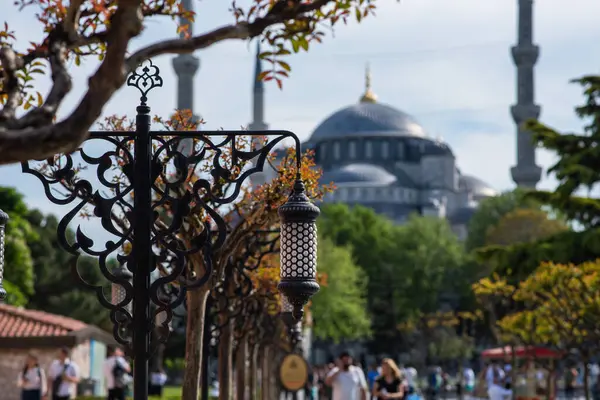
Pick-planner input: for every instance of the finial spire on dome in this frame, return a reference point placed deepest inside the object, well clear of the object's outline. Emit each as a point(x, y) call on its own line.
point(369, 96)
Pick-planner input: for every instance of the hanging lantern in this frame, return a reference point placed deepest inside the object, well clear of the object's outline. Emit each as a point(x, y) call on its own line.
point(118, 292)
point(298, 249)
point(3, 221)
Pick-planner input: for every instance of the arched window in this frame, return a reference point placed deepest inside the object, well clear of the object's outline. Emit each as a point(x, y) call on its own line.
point(336, 151)
point(400, 151)
point(368, 149)
point(352, 149)
point(385, 150)
point(322, 152)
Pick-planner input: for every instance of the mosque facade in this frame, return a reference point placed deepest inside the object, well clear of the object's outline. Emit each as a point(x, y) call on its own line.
point(380, 157)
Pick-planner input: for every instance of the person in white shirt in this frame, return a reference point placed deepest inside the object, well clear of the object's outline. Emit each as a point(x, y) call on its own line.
point(494, 374)
point(63, 376)
point(158, 378)
point(497, 392)
point(32, 380)
point(411, 378)
point(347, 381)
point(116, 374)
point(468, 382)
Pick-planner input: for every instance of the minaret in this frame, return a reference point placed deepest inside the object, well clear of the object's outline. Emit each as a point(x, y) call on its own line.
point(258, 96)
point(258, 118)
point(525, 54)
point(185, 66)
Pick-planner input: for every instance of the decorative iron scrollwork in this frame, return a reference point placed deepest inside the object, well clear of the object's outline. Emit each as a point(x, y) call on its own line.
point(145, 78)
point(187, 219)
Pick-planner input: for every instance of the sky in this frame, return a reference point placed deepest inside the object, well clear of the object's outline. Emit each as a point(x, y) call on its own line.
point(446, 62)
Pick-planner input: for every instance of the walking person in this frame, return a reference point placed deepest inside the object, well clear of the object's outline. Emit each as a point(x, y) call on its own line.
point(389, 384)
point(468, 382)
point(116, 373)
point(496, 388)
point(63, 376)
point(347, 381)
point(32, 380)
point(570, 381)
point(158, 379)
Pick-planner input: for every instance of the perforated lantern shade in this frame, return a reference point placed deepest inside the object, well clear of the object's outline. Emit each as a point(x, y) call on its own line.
point(3, 221)
point(298, 249)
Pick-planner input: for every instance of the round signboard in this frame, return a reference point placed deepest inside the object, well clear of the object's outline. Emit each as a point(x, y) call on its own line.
point(293, 372)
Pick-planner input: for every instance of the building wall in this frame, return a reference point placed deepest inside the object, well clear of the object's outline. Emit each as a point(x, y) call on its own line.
point(12, 362)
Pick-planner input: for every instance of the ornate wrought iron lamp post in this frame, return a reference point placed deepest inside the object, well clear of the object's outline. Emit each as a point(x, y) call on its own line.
point(151, 189)
point(3, 222)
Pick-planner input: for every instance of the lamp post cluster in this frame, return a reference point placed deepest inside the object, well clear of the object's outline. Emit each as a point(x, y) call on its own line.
point(142, 196)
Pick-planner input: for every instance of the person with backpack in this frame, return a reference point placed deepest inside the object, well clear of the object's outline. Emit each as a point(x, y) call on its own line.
point(63, 376)
point(116, 373)
point(32, 380)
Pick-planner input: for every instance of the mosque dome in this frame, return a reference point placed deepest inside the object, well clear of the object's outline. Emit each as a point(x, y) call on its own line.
point(475, 186)
point(367, 118)
point(359, 173)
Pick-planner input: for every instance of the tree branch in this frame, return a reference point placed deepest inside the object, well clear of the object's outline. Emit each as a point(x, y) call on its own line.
point(65, 136)
point(280, 12)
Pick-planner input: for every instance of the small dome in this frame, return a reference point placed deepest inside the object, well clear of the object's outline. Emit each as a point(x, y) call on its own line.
point(462, 216)
point(475, 186)
point(367, 119)
point(359, 173)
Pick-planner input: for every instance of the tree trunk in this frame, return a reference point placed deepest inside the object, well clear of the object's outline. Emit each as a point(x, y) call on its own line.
point(273, 386)
point(252, 371)
point(265, 373)
point(241, 358)
point(196, 310)
point(225, 362)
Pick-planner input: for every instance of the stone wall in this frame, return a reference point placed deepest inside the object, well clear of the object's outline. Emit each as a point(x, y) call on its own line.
point(12, 362)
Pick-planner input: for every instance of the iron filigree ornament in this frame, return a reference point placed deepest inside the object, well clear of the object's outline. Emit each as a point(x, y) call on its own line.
point(145, 78)
point(134, 184)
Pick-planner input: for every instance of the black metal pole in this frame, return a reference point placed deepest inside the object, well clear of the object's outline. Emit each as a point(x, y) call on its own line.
point(142, 229)
point(206, 338)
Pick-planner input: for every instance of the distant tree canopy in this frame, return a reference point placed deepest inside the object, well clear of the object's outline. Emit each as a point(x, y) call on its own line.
point(557, 257)
point(340, 309)
point(490, 212)
point(18, 264)
point(38, 271)
point(408, 266)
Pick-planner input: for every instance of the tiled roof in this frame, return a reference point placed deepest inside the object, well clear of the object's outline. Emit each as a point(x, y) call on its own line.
point(19, 322)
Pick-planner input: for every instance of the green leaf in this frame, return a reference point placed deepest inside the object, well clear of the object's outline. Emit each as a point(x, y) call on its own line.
point(284, 65)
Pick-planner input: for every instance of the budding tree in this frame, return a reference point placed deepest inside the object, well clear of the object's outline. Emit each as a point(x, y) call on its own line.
point(104, 28)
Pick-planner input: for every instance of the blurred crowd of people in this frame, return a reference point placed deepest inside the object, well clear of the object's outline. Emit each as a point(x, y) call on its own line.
point(346, 380)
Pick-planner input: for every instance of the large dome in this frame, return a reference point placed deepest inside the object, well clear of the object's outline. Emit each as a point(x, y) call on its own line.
point(367, 119)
